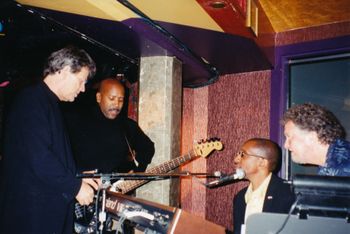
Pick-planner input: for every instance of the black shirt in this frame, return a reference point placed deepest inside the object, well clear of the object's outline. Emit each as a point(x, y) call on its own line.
point(100, 143)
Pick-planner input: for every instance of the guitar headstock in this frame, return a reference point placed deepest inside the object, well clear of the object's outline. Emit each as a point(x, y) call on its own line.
point(205, 147)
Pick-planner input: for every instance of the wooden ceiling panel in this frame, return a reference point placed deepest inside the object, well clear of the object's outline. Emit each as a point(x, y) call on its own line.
point(293, 14)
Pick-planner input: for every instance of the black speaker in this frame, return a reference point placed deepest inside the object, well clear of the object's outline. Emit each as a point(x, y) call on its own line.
point(322, 195)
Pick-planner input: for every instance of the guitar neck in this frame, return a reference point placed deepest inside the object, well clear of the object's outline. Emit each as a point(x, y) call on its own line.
point(129, 185)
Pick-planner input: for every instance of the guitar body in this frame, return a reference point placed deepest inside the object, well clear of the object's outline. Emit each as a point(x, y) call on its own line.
point(86, 217)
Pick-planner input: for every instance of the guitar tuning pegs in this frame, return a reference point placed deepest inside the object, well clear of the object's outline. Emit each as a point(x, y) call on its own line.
point(201, 141)
point(208, 140)
point(213, 139)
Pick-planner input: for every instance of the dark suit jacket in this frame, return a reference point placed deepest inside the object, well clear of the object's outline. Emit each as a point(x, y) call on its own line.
point(39, 183)
point(279, 198)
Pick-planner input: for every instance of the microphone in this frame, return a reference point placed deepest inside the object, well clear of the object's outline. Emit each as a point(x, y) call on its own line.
point(238, 175)
point(218, 174)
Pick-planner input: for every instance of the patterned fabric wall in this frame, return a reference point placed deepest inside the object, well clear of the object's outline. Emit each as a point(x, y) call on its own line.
point(194, 128)
point(238, 109)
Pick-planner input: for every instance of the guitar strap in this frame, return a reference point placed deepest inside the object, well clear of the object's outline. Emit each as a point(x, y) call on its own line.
point(132, 152)
point(127, 134)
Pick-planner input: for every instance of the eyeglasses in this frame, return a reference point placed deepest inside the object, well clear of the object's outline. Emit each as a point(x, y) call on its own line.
point(242, 154)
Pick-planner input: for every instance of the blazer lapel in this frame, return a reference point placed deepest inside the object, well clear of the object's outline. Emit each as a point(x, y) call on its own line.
point(269, 197)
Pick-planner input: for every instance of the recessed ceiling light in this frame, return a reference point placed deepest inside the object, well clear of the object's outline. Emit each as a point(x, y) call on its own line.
point(218, 4)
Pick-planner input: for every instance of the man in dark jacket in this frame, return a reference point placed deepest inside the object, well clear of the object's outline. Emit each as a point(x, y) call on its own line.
point(39, 183)
point(266, 192)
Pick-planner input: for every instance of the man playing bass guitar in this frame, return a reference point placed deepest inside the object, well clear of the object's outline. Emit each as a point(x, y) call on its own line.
point(103, 138)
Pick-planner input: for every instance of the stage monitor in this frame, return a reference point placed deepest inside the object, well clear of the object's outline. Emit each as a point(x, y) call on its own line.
point(322, 195)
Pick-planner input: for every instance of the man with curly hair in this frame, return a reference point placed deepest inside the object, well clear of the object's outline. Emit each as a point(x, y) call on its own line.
point(315, 136)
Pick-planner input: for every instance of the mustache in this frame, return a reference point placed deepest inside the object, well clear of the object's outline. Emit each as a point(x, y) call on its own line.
point(114, 109)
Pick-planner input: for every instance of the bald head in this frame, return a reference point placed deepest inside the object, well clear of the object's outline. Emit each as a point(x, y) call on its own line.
point(110, 97)
point(108, 84)
point(266, 149)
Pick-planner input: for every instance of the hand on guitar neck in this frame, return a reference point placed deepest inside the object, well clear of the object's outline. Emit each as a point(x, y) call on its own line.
point(87, 189)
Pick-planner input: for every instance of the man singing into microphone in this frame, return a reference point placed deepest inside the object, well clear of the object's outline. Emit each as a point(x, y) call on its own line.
point(266, 192)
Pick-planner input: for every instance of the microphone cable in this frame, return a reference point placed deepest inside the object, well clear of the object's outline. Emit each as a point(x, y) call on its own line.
point(288, 216)
point(96, 209)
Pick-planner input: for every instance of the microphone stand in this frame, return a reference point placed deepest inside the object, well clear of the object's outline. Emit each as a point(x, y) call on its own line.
point(143, 175)
point(102, 216)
